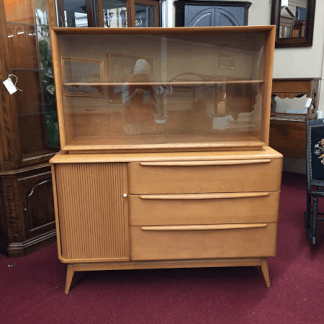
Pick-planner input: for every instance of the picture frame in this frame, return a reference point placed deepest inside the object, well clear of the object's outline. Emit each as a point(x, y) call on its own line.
point(120, 69)
point(301, 32)
point(82, 77)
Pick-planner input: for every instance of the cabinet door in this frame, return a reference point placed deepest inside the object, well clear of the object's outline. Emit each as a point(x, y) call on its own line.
point(199, 16)
point(146, 13)
point(37, 202)
point(229, 16)
point(77, 13)
point(92, 212)
point(207, 16)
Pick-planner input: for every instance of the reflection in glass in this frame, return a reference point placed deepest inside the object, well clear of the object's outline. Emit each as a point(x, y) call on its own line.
point(31, 61)
point(150, 94)
point(293, 19)
point(144, 16)
point(138, 97)
point(79, 74)
point(114, 13)
point(75, 13)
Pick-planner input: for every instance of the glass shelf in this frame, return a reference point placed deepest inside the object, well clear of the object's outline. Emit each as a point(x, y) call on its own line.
point(172, 83)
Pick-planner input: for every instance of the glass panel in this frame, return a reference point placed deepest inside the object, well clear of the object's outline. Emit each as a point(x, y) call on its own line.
point(217, 87)
point(31, 61)
point(293, 18)
point(144, 15)
point(121, 89)
point(114, 13)
point(75, 13)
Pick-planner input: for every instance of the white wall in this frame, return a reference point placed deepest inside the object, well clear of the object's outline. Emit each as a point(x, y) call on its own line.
point(289, 62)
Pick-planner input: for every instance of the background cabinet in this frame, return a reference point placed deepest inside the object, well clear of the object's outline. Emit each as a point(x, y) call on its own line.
point(26, 210)
point(28, 129)
point(108, 13)
point(211, 13)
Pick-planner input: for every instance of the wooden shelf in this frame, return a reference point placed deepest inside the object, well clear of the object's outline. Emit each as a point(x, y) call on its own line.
point(198, 141)
point(173, 83)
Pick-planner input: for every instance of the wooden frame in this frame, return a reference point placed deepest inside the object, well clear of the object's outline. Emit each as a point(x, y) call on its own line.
point(153, 3)
point(111, 77)
point(85, 94)
point(100, 20)
point(89, 11)
point(306, 41)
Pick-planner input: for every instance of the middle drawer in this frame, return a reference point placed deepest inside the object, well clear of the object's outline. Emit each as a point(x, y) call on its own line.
point(215, 208)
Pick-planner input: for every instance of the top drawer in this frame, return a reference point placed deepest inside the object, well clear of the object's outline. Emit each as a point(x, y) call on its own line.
point(205, 176)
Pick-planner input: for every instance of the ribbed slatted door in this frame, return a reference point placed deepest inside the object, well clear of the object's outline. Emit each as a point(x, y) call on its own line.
point(92, 213)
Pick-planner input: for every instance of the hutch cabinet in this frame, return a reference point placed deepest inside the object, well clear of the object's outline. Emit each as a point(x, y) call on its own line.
point(28, 129)
point(211, 13)
point(164, 159)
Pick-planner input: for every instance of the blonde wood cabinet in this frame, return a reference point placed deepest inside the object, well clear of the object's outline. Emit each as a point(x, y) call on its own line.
point(164, 158)
point(136, 211)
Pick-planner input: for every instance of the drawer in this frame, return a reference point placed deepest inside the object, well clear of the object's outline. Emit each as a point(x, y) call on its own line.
point(186, 209)
point(205, 176)
point(203, 241)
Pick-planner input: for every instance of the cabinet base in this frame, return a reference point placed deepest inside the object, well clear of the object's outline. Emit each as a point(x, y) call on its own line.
point(21, 249)
point(71, 268)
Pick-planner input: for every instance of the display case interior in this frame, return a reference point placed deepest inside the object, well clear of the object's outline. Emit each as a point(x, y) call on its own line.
point(163, 88)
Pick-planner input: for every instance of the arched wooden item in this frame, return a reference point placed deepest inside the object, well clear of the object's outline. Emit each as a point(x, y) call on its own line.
point(286, 135)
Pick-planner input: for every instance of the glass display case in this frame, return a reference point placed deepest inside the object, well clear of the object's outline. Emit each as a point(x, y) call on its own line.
point(163, 89)
point(108, 13)
point(29, 59)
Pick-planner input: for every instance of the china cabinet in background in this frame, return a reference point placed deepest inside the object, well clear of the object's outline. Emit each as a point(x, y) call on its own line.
point(108, 13)
point(164, 159)
point(28, 128)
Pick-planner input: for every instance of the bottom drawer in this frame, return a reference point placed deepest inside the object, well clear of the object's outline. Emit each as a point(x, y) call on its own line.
point(203, 241)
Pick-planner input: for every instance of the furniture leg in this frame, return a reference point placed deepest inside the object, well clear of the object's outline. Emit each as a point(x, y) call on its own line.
point(314, 220)
point(309, 205)
point(265, 271)
point(69, 277)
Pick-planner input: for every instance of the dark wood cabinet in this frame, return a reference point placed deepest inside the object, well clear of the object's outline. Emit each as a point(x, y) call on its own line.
point(108, 13)
point(211, 13)
point(28, 129)
point(26, 210)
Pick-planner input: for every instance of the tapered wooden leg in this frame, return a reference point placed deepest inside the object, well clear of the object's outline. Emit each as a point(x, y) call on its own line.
point(265, 271)
point(69, 277)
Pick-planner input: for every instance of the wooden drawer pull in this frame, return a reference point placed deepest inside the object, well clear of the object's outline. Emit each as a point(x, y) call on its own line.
point(205, 196)
point(205, 163)
point(202, 227)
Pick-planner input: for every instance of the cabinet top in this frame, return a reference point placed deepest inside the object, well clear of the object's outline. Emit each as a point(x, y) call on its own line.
point(161, 31)
point(264, 153)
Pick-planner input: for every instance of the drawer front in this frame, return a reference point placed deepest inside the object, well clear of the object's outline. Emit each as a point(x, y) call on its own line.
point(203, 242)
point(205, 176)
point(186, 209)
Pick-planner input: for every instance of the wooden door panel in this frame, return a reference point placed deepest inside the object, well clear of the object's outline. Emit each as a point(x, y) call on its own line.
point(200, 16)
point(37, 202)
point(229, 17)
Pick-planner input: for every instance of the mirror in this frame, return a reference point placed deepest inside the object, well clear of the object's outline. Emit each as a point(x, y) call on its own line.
point(294, 20)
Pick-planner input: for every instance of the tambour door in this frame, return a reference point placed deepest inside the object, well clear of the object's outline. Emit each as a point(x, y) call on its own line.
point(92, 215)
